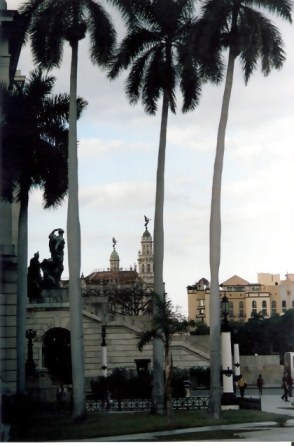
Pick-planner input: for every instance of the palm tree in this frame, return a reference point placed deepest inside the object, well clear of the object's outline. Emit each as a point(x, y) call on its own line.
point(158, 48)
point(34, 154)
point(53, 22)
point(167, 322)
point(249, 35)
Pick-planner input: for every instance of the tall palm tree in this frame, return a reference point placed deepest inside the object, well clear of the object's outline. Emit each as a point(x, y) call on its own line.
point(250, 36)
point(53, 22)
point(158, 50)
point(34, 154)
point(167, 322)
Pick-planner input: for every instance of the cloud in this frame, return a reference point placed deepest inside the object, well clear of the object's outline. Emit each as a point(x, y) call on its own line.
point(117, 196)
point(117, 170)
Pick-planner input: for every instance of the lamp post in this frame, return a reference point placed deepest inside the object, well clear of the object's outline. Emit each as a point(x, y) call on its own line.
point(228, 399)
point(237, 362)
point(104, 351)
point(30, 364)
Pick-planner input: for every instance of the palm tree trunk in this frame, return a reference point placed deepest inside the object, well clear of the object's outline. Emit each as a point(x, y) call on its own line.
point(158, 237)
point(22, 258)
point(74, 251)
point(215, 247)
point(168, 382)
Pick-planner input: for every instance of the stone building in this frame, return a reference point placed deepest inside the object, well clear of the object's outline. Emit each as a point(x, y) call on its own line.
point(268, 296)
point(9, 54)
point(116, 307)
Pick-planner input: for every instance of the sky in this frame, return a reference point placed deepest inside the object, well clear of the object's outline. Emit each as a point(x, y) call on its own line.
point(118, 146)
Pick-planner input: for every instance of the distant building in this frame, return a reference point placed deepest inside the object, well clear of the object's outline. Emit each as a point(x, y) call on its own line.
point(116, 304)
point(126, 291)
point(267, 297)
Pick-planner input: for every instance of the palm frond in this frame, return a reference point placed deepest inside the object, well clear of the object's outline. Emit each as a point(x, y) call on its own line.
point(259, 39)
point(102, 33)
point(134, 82)
point(144, 338)
point(47, 35)
point(134, 45)
point(131, 10)
point(152, 84)
point(282, 8)
point(35, 139)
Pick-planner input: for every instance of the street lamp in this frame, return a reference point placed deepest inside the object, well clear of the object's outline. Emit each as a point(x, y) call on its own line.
point(30, 364)
point(104, 351)
point(228, 399)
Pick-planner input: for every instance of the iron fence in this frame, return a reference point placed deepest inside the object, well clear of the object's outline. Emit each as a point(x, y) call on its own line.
point(138, 405)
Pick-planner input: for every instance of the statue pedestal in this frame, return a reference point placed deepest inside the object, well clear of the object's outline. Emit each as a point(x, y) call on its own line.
point(58, 295)
point(55, 295)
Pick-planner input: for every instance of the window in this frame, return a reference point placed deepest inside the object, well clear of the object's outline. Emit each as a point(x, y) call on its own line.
point(231, 309)
point(241, 309)
point(274, 307)
point(264, 308)
point(254, 304)
point(148, 268)
point(143, 269)
point(284, 306)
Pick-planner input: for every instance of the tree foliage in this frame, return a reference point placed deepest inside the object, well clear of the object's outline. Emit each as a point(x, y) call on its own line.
point(166, 322)
point(266, 336)
point(34, 129)
point(131, 301)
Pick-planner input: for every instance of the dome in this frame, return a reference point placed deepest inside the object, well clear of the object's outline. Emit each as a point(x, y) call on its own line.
point(147, 234)
point(114, 255)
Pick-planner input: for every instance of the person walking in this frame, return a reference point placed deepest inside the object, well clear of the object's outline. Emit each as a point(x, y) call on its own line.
point(259, 384)
point(290, 384)
point(242, 386)
point(285, 387)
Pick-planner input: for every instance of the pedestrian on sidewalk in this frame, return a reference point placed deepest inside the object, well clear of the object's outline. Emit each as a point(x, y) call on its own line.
point(290, 384)
point(242, 384)
point(285, 387)
point(259, 384)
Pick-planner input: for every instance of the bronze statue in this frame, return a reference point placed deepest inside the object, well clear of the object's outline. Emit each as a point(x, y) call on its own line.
point(56, 244)
point(34, 278)
point(53, 267)
point(146, 221)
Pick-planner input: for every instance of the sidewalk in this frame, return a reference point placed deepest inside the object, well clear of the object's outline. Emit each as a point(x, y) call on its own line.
point(274, 404)
point(262, 431)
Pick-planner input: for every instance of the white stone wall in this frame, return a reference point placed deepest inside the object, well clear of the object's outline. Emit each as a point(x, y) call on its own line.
point(121, 339)
point(266, 365)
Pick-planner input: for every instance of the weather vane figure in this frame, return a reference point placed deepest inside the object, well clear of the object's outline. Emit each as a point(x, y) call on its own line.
point(146, 221)
point(114, 242)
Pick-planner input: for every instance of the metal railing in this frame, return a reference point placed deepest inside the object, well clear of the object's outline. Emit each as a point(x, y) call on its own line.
point(144, 404)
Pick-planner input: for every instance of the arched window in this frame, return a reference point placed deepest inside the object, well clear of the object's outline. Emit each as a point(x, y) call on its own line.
point(274, 307)
point(241, 309)
point(284, 306)
point(292, 303)
point(148, 268)
point(143, 269)
point(231, 309)
point(57, 355)
point(254, 307)
point(264, 308)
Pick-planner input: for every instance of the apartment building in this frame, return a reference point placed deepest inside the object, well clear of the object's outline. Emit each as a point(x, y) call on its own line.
point(268, 296)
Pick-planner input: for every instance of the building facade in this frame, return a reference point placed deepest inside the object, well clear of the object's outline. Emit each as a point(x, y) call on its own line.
point(268, 296)
point(116, 308)
point(9, 54)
